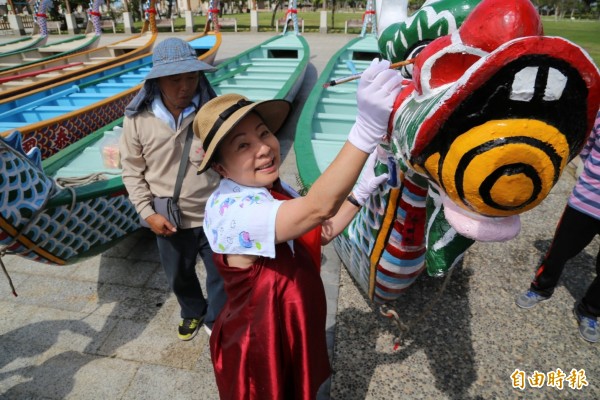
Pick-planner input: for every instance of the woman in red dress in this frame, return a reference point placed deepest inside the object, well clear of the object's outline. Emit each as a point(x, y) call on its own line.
point(269, 340)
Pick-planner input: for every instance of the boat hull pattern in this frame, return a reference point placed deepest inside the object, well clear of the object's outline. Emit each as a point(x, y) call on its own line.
point(45, 223)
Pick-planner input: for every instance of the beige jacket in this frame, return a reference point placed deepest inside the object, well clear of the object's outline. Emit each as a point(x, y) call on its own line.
point(150, 155)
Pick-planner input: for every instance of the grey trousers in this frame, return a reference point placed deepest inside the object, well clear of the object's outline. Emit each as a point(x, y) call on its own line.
point(178, 255)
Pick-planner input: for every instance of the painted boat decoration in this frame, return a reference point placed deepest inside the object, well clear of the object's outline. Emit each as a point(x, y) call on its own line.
point(49, 51)
point(53, 117)
point(53, 224)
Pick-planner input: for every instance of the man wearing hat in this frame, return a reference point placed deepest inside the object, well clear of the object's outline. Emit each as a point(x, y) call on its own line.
point(157, 123)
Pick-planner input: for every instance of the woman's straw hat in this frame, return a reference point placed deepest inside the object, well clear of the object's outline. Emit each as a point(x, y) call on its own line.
point(221, 114)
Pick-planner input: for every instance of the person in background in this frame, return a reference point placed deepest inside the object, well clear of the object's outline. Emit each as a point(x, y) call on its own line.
point(156, 124)
point(579, 224)
point(269, 341)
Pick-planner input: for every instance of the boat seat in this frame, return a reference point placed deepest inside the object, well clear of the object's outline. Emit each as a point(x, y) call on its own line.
point(282, 78)
point(11, 125)
point(349, 102)
point(322, 137)
point(56, 109)
point(86, 95)
point(109, 85)
point(91, 160)
point(337, 117)
point(276, 62)
point(35, 116)
point(248, 86)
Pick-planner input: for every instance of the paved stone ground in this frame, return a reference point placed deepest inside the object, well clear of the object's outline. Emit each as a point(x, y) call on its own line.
point(104, 328)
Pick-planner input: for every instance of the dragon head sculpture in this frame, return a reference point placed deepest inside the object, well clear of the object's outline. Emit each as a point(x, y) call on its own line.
point(491, 114)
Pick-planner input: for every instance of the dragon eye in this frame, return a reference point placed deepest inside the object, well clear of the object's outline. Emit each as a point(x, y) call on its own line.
point(407, 70)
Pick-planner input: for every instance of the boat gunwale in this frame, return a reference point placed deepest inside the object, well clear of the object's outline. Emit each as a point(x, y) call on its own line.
point(26, 68)
point(306, 161)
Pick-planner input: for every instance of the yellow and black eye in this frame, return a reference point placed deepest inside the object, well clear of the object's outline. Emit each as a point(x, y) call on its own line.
point(503, 145)
point(502, 167)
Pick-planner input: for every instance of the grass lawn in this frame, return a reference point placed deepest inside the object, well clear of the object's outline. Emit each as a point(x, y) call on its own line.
point(585, 33)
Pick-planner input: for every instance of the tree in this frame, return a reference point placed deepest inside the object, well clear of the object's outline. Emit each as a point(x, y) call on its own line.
point(278, 3)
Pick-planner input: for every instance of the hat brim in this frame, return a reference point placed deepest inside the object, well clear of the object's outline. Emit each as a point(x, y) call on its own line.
point(273, 113)
point(178, 67)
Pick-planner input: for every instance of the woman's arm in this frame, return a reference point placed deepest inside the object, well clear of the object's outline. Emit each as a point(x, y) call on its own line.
point(367, 184)
point(335, 225)
point(376, 93)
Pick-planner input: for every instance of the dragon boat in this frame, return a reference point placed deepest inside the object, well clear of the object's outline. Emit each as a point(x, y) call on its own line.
point(24, 43)
point(330, 110)
point(48, 51)
point(56, 212)
point(55, 116)
point(490, 114)
point(24, 79)
point(273, 69)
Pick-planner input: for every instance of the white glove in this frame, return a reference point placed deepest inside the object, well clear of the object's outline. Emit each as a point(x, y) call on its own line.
point(368, 182)
point(378, 88)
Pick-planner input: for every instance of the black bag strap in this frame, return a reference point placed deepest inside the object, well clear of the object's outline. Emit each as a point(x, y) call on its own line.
point(184, 157)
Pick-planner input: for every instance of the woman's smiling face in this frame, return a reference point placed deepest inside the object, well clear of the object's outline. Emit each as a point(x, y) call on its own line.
point(249, 154)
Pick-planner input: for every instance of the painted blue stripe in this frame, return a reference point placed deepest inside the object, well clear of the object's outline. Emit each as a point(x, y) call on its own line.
point(383, 279)
point(413, 196)
point(400, 262)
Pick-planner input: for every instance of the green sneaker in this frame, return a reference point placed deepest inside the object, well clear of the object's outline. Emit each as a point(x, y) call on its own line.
point(188, 328)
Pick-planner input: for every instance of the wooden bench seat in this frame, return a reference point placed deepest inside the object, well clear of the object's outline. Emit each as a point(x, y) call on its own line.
point(166, 22)
point(108, 24)
point(281, 21)
point(353, 23)
point(54, 25)
point(228, 22)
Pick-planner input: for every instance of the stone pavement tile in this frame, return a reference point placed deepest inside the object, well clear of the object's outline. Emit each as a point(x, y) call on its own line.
point(60, 374)
point(127, 272)
point(124, 247)
point(158, 280)
point(126, 302)
point(17, 264)
point(14, 315)
point(17, 360)
point(154, 344)
point(145, 249)
point(48, 327)
point(56, 291)
point(157, 382)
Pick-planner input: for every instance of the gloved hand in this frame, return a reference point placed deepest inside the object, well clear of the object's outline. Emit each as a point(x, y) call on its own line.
point(368, 182)
point(378, 88)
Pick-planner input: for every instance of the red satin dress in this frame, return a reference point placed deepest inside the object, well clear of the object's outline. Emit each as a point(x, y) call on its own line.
point(269, 341)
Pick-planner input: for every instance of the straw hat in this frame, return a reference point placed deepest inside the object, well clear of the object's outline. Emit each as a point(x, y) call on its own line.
point(221, 114)
point(174, 56)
